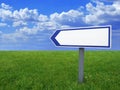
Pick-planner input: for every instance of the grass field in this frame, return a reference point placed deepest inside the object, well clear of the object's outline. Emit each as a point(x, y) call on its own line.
point(58, 70)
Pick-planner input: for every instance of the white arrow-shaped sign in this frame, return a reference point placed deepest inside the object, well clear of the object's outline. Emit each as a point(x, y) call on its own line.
point(83, 37)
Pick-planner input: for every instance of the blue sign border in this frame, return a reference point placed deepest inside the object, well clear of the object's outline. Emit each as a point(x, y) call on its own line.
point(83, 28)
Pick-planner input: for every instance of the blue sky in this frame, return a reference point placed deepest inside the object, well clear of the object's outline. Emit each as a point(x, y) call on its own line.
point(29, 24)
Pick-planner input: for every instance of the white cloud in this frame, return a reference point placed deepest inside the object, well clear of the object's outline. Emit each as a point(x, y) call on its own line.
point(102, 13)
point(3, 24)
point(26, 15)
point(49, 25)
point(116, 4)
point(13, 37)
point(19, 23)
point(72, 17)
point(42, 18)
point(27, 31)
point(5, 14)
point(40, 26)
point(4, 6)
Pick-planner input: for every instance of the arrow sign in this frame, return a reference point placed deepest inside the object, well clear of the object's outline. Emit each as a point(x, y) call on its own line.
point(83, 37)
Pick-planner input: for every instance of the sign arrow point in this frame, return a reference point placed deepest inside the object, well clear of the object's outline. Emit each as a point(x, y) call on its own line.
point(53, 38)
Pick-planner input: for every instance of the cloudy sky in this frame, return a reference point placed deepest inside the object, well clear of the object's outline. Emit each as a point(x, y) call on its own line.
point(29, 24)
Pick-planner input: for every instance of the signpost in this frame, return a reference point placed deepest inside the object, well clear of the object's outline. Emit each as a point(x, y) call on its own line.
point(99, 36)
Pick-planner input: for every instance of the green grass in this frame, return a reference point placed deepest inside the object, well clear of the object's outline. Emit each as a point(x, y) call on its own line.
point(58, 70)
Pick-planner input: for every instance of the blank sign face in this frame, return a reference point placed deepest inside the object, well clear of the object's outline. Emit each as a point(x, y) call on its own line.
point(86, 37)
